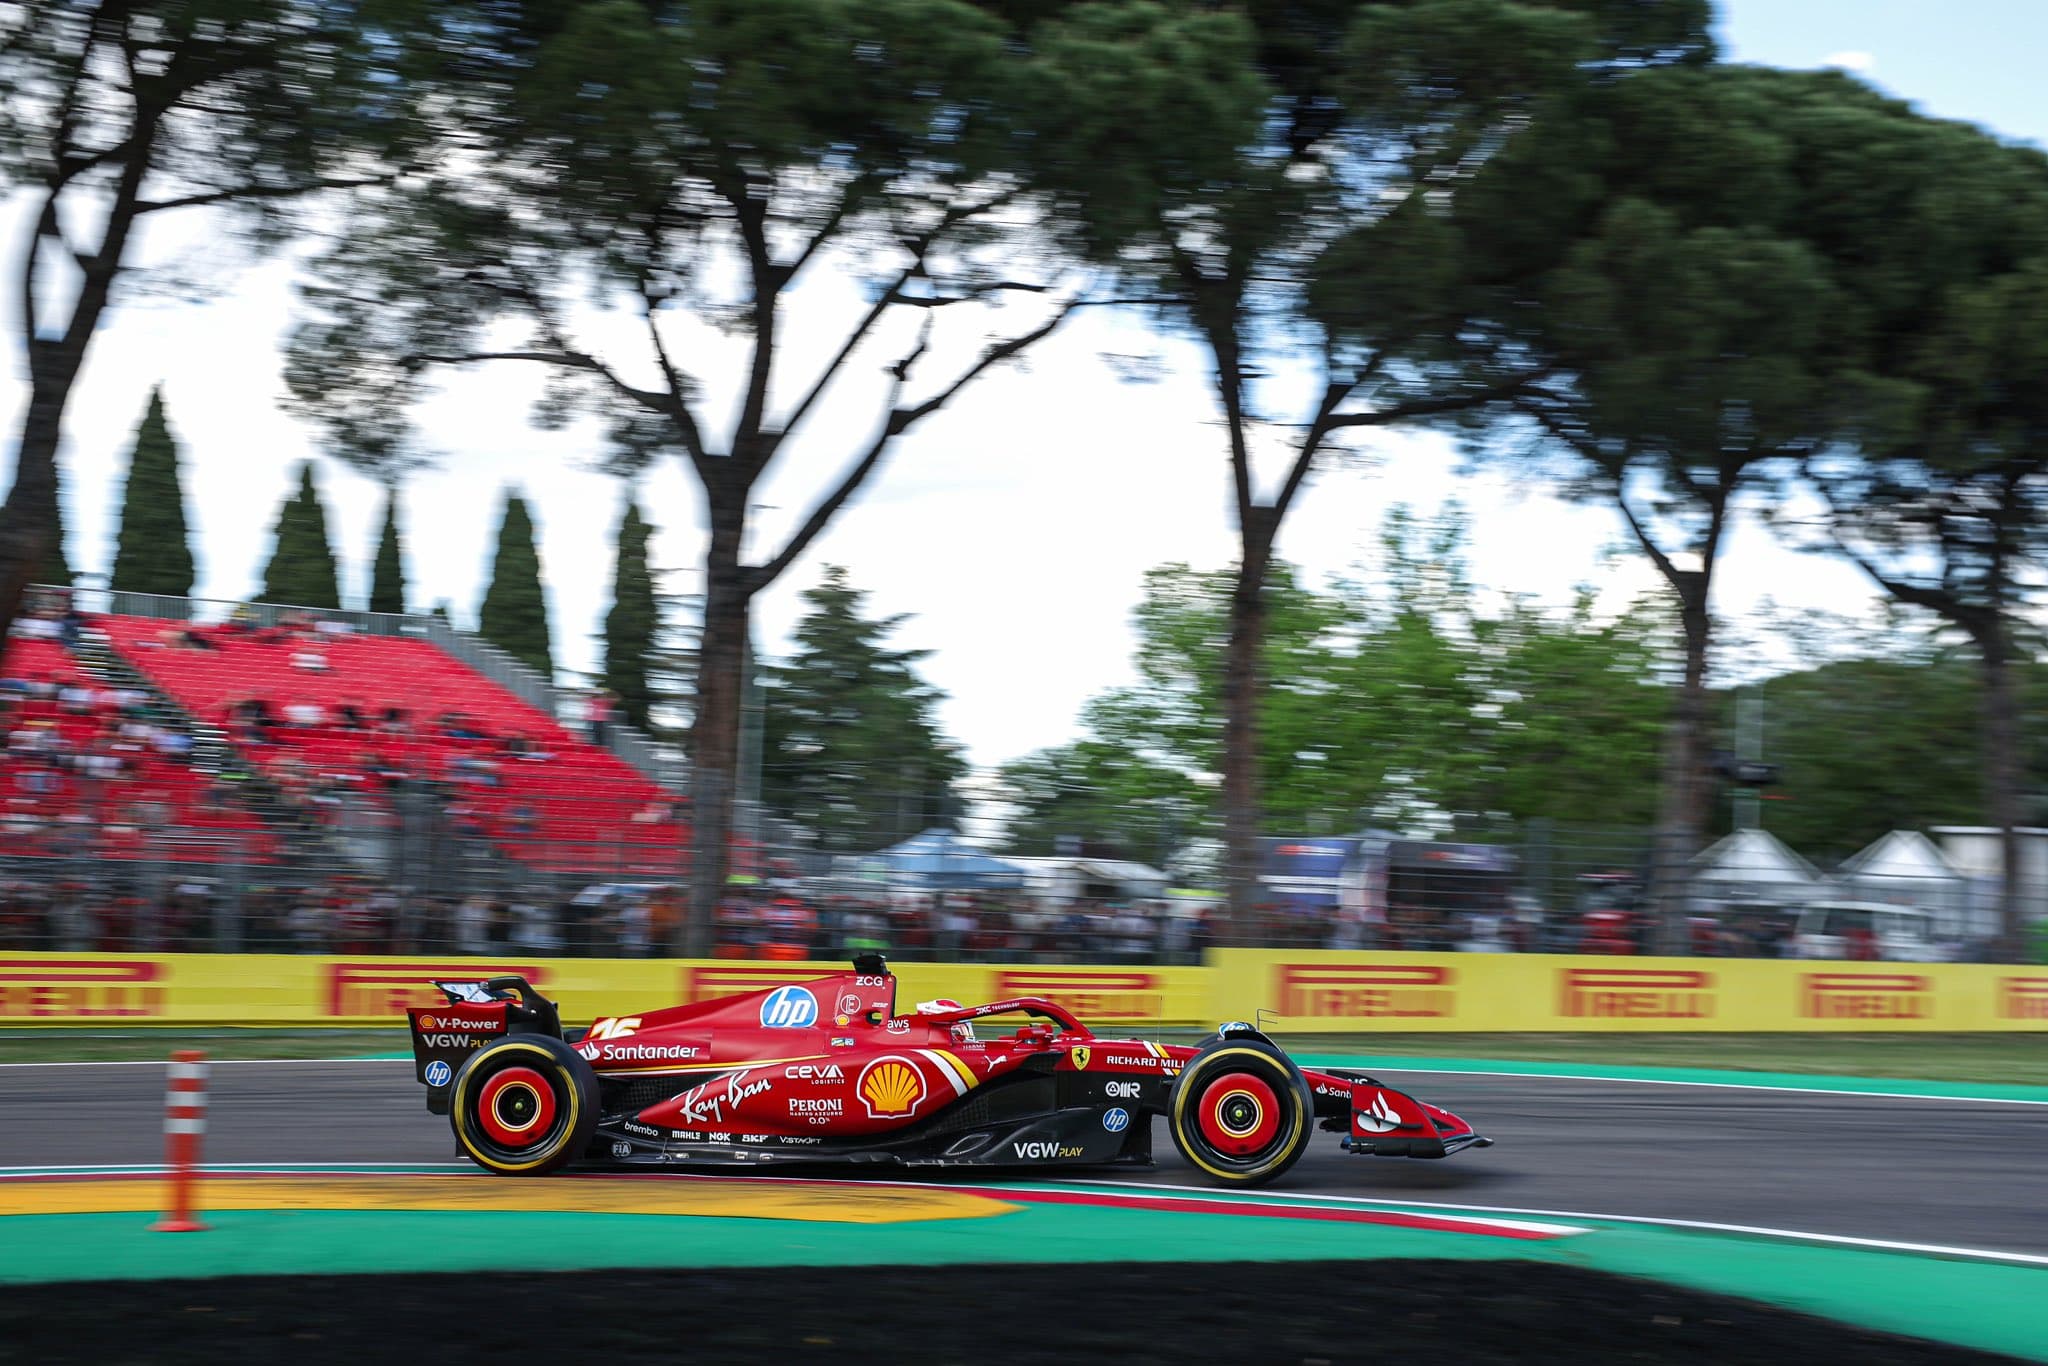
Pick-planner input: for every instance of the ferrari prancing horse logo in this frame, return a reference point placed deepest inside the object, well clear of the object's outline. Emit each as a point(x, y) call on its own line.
point(1080, 1057)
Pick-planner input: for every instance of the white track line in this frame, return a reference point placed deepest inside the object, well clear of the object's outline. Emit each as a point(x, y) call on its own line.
point(1878, 1244)
point(1712, 1085)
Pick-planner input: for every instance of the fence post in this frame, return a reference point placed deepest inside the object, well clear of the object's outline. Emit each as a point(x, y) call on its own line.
point(184, 1127)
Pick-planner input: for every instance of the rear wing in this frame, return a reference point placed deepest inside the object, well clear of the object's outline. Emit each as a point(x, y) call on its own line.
point(477, 1014)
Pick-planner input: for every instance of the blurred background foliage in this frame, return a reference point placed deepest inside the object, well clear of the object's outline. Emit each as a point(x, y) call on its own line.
point(1562, 230)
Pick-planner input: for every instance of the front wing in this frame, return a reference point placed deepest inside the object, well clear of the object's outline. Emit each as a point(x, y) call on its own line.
point(1379, 1121)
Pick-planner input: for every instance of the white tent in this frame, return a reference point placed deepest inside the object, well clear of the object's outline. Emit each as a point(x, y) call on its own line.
point(1753, 868)
point(1066, 879)
point(1905, 868)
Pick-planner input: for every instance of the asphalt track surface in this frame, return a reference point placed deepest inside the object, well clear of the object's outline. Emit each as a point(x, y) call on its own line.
point(1954, 1173)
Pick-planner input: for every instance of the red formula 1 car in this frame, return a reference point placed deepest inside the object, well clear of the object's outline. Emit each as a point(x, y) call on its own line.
point(826, 1070)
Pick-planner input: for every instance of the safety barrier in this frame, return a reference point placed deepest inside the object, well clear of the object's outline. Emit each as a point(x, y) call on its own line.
point(1298, 991)
point(1303, 992)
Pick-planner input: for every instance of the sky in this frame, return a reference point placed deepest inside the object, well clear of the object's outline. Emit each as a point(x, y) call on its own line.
point(1014, 528)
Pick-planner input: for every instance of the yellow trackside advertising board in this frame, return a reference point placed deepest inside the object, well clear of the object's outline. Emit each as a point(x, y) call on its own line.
point(1097, 995)
point(259, 989)
point(1299, 991)
point(1306, 991)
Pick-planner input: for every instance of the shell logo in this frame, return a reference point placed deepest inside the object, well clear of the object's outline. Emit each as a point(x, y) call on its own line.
point(891, 1086)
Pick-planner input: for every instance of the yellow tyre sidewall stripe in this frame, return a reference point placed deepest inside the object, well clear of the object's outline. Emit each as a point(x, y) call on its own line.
point(460, 1112)
point(1180, 1105)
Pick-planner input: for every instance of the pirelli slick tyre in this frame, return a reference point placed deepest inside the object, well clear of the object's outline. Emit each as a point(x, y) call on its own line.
point(524, 1106)
point(1241, 1112)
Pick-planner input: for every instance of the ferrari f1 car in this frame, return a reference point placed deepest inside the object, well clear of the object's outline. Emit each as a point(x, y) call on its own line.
point(825, 1070)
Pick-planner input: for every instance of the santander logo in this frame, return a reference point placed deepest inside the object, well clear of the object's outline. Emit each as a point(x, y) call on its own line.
point(1378, 1118)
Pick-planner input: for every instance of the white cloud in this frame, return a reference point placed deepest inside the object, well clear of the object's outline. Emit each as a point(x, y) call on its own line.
point(1862, 63)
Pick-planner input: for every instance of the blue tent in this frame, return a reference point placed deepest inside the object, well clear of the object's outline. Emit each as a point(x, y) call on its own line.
point(939, 858)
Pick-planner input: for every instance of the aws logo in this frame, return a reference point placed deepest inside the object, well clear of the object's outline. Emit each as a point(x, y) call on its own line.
point(890, 1087)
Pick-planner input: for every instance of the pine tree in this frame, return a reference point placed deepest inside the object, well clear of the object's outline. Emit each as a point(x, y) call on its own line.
point(301, 571)
point(852, 743)
point(514, 615)
point(153, 546)
point(387, 572)
point(633, 624)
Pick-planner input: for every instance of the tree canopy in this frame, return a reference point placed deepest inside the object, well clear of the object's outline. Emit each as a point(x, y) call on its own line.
point(1311, 245)
point(1696, 259)
point(684, 166)
point(111, 113)
point(1405, 705)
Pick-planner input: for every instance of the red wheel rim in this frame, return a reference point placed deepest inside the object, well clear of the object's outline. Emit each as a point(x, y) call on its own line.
point(1239, 1114)
point(516, 1107)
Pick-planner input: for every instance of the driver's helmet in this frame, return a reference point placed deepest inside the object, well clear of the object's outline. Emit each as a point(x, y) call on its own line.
point(961, 1031)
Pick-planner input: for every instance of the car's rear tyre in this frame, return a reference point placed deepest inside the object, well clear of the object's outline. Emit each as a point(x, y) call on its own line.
point(524, 1106)
point(1241, 1112)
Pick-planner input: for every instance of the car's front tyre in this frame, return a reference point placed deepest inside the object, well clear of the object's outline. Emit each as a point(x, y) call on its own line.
point(524, 1106)
point(1241, 1112)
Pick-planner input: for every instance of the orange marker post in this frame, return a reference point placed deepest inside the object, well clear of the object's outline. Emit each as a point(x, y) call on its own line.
point(184, 1127)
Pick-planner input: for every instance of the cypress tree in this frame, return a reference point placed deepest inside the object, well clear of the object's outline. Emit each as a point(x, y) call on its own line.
point(514, 615)
point(56, 570)
point(153, 546)
point(301, 570)
point(633, 623)
point(387, 572)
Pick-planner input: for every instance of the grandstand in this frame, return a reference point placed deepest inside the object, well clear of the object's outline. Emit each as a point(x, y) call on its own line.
point(93, 767)
point(319, 717)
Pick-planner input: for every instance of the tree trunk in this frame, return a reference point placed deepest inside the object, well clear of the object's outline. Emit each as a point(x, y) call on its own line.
point(1681, 806)
point(1242, 688)
point(715, 732)
point(28, 522)
point(2001, 732)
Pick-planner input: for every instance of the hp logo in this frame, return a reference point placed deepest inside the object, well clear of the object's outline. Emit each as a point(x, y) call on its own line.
point(789, 1008)
point(438, 1073)
point(1117, 1120)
